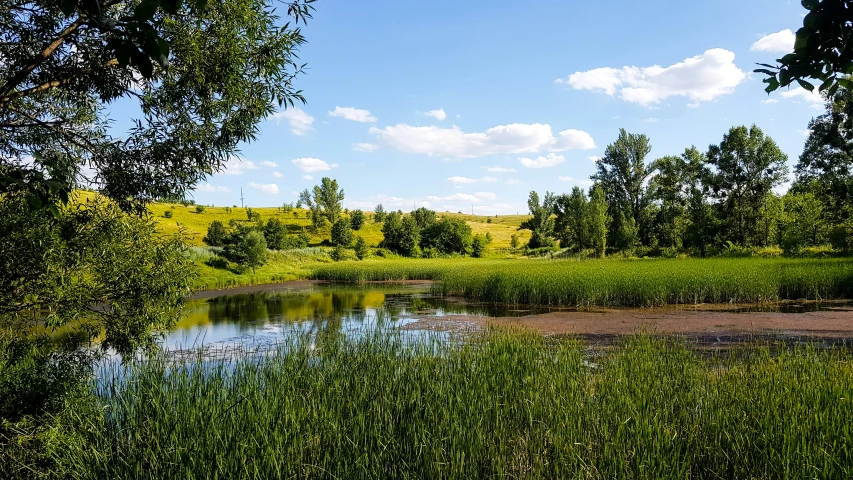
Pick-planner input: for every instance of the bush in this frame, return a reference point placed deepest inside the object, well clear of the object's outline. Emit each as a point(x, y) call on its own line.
point(216, 234)
point(357, 220)
point(167, 214)
point(248, 248)
point(199, 208)
point(478, 246)
point(401, 234)
point(447, 236)
point(424, 217)
point(338, 253)
point(275, 233)
point(361, 250)
point(379, 214)
point(341, 232)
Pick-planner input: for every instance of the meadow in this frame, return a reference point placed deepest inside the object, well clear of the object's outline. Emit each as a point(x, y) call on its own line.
point(509, 404)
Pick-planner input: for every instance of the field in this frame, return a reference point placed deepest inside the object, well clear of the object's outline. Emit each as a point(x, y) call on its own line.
point(642, 282)
point(508, 405)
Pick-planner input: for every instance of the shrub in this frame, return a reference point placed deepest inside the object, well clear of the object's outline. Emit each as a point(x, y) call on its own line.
point(253, 215)
point(514, 241)
point(379, 214)
point(338, 253)
point(249, 249)
point(401, 234)
point(424, 217)
point(167, 214)
point(361, 249)
point(478, 246)
point(449, 235)
point(199, 208)
point(341, 232)
point(357, 220)
point(275, 234)
point(216, 234)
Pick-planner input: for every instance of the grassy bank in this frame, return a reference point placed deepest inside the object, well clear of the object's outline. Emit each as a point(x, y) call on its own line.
point(615, 282)
point(507, 405)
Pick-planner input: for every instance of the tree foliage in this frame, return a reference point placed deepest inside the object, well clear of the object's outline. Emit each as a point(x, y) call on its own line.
point(541, 222)
point(342, 232)
point(325, 201)
point(216, 234)
point(401, 234)
point(447, 236)
point(357, 219)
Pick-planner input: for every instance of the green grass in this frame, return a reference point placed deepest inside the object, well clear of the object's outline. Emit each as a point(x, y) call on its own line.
point(615, 282)
point(508, 405)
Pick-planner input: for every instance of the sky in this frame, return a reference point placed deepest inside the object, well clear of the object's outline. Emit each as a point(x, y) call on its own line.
point(471, 105)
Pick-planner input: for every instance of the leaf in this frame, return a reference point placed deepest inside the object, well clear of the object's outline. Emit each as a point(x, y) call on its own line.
point(801, 42)
point(810, 4)
point(808, 86)
point(143, 64)
point(826, 84)
point(846, 83)
point(145, 10)
point(67, 7)
point(765, 71)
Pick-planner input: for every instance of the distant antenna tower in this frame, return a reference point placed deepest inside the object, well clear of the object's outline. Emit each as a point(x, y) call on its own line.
point(241, 198)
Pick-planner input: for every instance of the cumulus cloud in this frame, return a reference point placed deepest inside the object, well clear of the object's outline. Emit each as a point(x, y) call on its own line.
point(770, 100)
point(237, 166)
point(485, 195)
point(307, 177)
point(277, 174)
point(579, 182)
point(354, 114)
point(779, 42)
point(313, 165)
point(269, 164)
point(365, 147)
point(651, 120)
point(300, 122)
point(437, 114)
point(701, 79)
point(488, 179)
point(504, 139)
point(500, 170)
point(513, 181)
point(551, 160)
point(456, 197)
point(208, 188)
point(814, 98)
point(461, 180)
point(594, 158)
point(389, 202)
point(264, 187)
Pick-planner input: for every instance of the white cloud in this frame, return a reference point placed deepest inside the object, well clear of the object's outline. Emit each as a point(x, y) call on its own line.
point(779, 42)
point(513, 181)
point(300, 122)
point(206, 187)
point(488, 179)
point(458, 116)
point(277, 174)
point(269, 164)
point(237, 166)
point(581, 183)
point(307, 177)
point(389, 202)
point(265, 187)
point(551, 160)
point(312, 165)
point(651, 120)
point(814, 98)
point(770, 100)
point(485, 195)
point(701, 79)
point(437, 114)
point(593, 158)
point(500, 170)
point(354, 114)
point(503, 139)
point(461, 180)
point(456, 197)
point(365, 147)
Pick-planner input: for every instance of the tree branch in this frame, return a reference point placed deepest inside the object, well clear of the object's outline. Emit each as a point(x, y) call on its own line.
point(19, 77)
point(53, 83)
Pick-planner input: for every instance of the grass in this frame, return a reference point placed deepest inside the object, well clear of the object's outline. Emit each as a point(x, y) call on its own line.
point(507, 405)
point(646, 282)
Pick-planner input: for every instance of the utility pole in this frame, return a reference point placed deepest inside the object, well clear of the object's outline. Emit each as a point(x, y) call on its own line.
point(241, 198)
point(472, 209)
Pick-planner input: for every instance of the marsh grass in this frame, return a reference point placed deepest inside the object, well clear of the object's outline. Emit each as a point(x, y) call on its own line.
point(647, 282)
point(508, 404)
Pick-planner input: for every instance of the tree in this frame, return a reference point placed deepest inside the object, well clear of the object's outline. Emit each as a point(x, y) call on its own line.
point(447, 236)
point(204, 75)
point(275, 233)
point(513, 241)
point(357, 219)
point(216, 234)
point(401, 234)
point(62, 269)
point(541, 223)
point(597, 220)
point(249, 249)
point(825, 167)
point(821, 50)
point(748, 166)
point(379, 214)
point(423, 216)
point(667, 188)
point(478, 246)
point(802, 224)
point(700, 229)
point(325, 201)
point(360, 247)
point(569, 225)
point(342, 233)
point(623, 174)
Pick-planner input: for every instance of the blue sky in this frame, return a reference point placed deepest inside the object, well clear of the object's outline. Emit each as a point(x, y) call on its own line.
point(454, 104)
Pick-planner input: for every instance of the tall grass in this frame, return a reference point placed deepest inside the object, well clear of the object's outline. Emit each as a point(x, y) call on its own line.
point(616, 282)
point(508, 405)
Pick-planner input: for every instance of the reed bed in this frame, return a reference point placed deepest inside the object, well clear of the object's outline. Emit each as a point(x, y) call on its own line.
point(648, 282)
point(507, 404)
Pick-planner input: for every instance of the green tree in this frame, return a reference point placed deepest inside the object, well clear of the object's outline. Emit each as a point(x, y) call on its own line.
point(447, 236)
point(203, 74)
point(249, 249)
point(825, 167)
point(423, 216)
point(216, 234)
point(401, 234)
point(821, 50)
point(597, 220)
point(379, 214)
point(802, 224)
point(701, 224)
point(541, 222)
point(748, 165)
point(357, 219)
point(325, 201)
point(361, 249)
point(569, 225)
point(668, 189)
point(342, 233)
point(623, 173)
point(514, 241)
point(275, 233)
point(478, 246)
